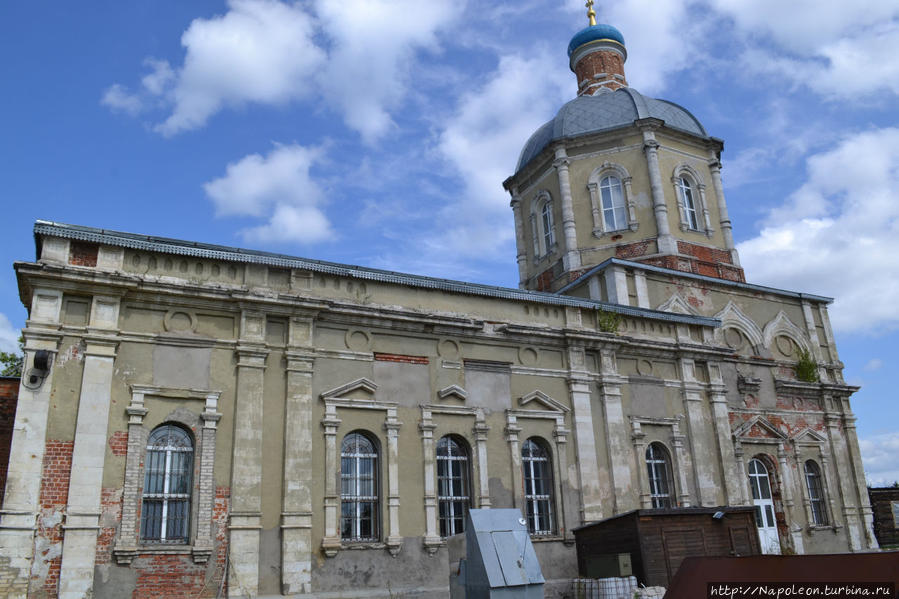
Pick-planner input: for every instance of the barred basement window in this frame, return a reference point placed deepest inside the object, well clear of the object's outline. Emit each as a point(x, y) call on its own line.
point(659, 467)
point(538, 486)
point(165, 513)
point(815, 493)
point(358, 488)
point(452, 486)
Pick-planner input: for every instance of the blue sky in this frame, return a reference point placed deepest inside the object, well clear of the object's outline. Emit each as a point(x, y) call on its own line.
point(379, 132)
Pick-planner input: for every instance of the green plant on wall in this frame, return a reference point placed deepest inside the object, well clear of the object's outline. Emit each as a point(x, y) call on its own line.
point(607, 321)
point(806, 367)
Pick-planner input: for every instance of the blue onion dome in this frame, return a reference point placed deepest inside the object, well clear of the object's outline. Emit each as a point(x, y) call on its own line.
point(594, 33)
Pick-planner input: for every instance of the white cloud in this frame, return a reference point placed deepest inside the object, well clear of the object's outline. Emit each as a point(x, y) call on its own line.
point(374, 46)
point(278, 187)
point(160, 77)
point(838, 234)
point(119, 99)
point(259, 51)
point(9, 336)
point(873, 364)
point(482, 141)
point(879, 456)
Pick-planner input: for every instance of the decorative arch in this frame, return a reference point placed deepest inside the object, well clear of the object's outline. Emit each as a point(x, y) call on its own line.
point(782, 325)
point(689, 189)
point(628, 210)
point(733, 317)
point(678, 305)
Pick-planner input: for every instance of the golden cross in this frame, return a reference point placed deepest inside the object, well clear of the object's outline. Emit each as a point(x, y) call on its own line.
point(591, 14)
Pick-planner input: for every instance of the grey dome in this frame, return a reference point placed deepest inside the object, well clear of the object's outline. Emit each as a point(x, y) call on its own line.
point(604, 111)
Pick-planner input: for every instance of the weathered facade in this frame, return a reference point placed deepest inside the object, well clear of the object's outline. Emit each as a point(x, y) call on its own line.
point(221, 420)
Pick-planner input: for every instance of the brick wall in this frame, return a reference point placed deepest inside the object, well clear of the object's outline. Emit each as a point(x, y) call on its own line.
point(9, 394)
point(83, 254)
point(53, 499)
point(607, 61)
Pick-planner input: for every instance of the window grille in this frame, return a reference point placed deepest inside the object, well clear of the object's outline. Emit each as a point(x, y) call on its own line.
point(537, 487)
point(168, 469)
point(452, 486)
point(358, 488)
point(659, 468)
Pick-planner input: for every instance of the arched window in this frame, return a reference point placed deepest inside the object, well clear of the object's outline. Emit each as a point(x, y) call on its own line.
point(659, 467)
point(358, 488)
point(546, 219)
point(452, 485)
point(613, 209)
point(168, 470)
point(538, 484)
point(687, 198)
point(815, 493)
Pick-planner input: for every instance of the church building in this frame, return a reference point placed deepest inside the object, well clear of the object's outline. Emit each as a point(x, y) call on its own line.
point(197, 420)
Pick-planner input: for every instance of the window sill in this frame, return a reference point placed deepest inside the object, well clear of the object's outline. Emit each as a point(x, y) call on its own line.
point(546, 538)
point(819, 528)
point(125, 555)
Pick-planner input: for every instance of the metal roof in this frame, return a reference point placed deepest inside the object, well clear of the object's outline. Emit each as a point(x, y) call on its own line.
point(689, 275)
point(219, 252)
point(604, 111)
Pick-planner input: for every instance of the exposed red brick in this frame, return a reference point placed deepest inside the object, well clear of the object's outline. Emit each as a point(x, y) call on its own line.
point(400, 358)
point(603, 61)
point(544, 280)
point(632, 250)
point(83, 254)
point(9, 396)
point(53, 499)
point(118, 443)
point(111, 515)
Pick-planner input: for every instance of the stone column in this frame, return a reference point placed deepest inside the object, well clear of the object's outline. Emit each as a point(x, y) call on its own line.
point(642, 288)
point(480, 431)
point(432, 536)
point(82, 522)
point(571, 259)
point(296, 509)
point(21, 503)
point(615, 429)
point(638, 437)
point(666, 243)
point(732, 469)
point(865, 513)
point(724, 219)
point(246, 473)
point(331, 540)
point(522, 256)
point(392, 427)
point(512, 430)
point(684, 465)
point(560, 434)
point(584, 437)
point(616, 286)
point(844, 476)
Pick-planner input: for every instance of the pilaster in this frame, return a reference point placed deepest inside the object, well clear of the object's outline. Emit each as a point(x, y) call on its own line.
point(296, 501)
point(615, 429)
point(732, 469)
point(666, 243)
point(723, 218)
point(21, 506)
point(579, 385)
point(521, 256)
point(571, 257)
point(845, 478)
point(246, 475)
point(82, 521)
point(705, 471)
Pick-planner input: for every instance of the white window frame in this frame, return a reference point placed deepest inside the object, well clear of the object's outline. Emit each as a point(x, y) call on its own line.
point(596, 185)
point(658, 466)
point(449, 502)
point(167, 497)
point(538, 506)
point(689, 190)
point(543, 227)
point(356, 497)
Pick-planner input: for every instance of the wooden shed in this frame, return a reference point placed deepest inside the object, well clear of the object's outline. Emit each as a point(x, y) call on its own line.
point(653, 542)
point(885, 504)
